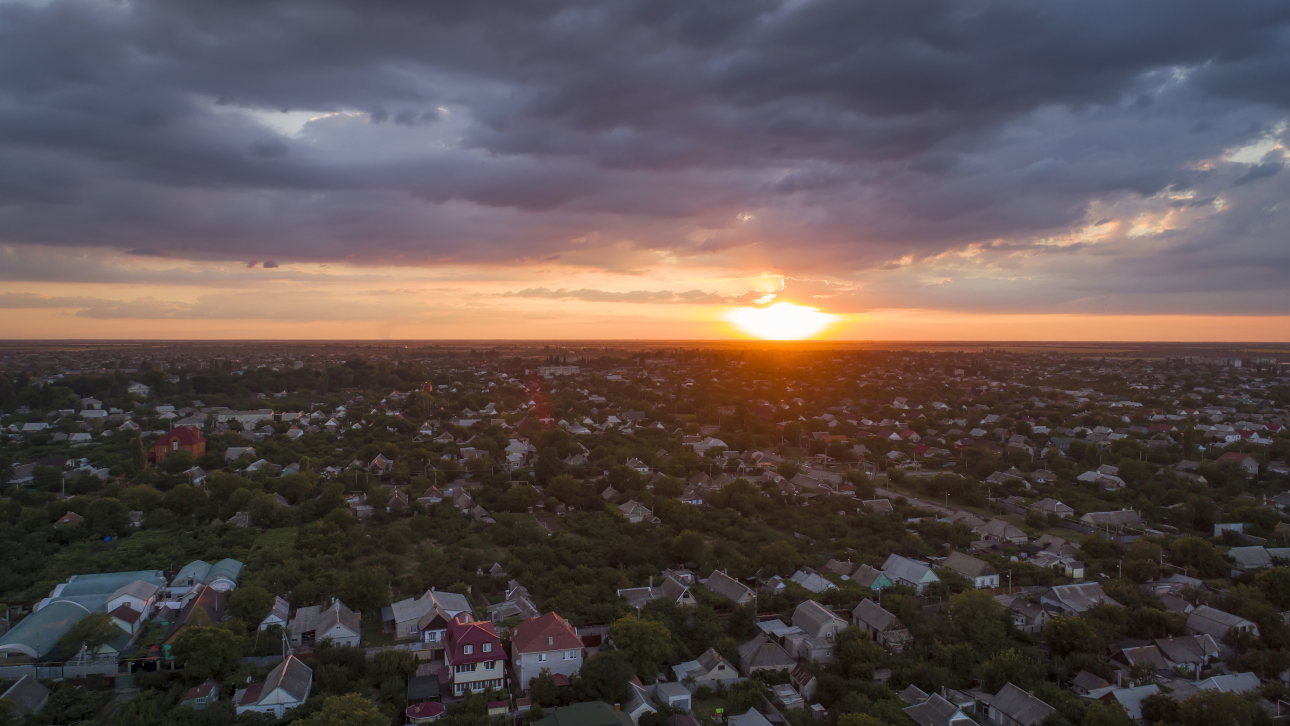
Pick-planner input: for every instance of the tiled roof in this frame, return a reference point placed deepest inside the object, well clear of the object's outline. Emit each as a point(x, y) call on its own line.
point(546, 633)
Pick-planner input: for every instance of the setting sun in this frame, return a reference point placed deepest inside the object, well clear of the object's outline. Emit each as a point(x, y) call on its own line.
point(781, 321)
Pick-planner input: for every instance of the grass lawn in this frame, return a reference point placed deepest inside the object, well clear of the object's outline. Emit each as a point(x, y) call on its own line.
point(705, 709)
point(372, 635)
point(281, 539)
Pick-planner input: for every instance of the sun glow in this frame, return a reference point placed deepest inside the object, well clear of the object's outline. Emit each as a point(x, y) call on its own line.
point(781, 321)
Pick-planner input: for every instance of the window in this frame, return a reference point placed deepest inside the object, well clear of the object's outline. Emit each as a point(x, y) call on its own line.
point(490, 665)
point(488, 647)
point(541, 657)
point(570, 655)
point(467, 649)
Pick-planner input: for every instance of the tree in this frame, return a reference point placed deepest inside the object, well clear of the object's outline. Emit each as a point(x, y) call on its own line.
point(746, 694)
point(980, 618)
point(1214, 708)
point(543, 689)
point(779, 557)
point(138, 457)
point(207, 653)
point(688, 546)
point(1011, 666)
point(646, 643)
point(859, 719)
point(90, 632)
point(351, 709)
point(250, 604)
point(1067, 634)
point(364, 589)
point(604, 676)
point(1106, 714)
point(1159, 708)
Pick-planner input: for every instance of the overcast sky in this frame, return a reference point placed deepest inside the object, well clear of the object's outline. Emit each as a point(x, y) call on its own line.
point(920, 168)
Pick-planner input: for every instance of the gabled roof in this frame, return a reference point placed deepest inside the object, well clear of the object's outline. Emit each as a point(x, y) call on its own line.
point(291, 676)
point(1233, 683)
point(1188, 648)
point(727, 587)
point(546, 633)
point(762, 652)
point(936, 711)
point(903, 568)
point(137, 589)
point(475, 634)
point(28, 695)
point(1020, 706)
point(811, 617)
point(873, 615)
point(1213, 621)
point(969, 566)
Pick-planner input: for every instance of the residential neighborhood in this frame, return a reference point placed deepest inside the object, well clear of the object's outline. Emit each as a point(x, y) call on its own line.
point(575, 536)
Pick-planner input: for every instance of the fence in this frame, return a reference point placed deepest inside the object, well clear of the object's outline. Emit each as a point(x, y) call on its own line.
point(55, 672)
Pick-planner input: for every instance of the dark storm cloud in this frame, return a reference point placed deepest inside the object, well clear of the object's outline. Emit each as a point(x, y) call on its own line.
point(825, 136)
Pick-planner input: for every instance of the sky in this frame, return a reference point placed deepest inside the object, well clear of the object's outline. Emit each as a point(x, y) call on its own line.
point(672, 169)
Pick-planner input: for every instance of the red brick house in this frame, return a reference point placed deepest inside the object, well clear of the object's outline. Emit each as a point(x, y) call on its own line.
point(181, 439)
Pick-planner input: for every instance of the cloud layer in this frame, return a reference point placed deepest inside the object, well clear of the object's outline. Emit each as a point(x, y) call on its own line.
point(1081, 156)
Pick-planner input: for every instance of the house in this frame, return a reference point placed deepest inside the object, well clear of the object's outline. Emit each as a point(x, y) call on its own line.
point(980, 572)
point(763, 654)
point(590, 713)
point(871, 577)
point(671, 588)
point(233, 453)
point(1230, 683)
point(708, 669)
point(424, 712)
point(1048, 505)
point(278, 615)
point(199, 697)
point(180, 440)
point(729, 588)
point(804, 681)
point(27, 695)
point(904, 571)
point(1027, 616)
point(885, 628)
point(638, 703)
point(819, 627)
point(1012, 706)
point(1131, 699)
point(1245, 462)
point(752, 718)
point(1205, 620)
point(1192, 652)
point(474, 657)
point(286, 687)
point(411, 618)
point(69, 519)
point(1142, 656)
point(1084, 683)
point(332, 621)
point(206, 609)
point(818, 621)
point(223, 576)
point(935, 710)
point(548, 642)
point(786, 696)
point(673, 695)
point(999, 530)
point(635, 512)
point(1075, 599)
point(812, 581)
point(1113, 521)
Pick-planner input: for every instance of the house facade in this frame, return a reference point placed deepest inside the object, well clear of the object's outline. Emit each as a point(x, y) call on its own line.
point(548, 643)
point(474, 657)
point(180, 440)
